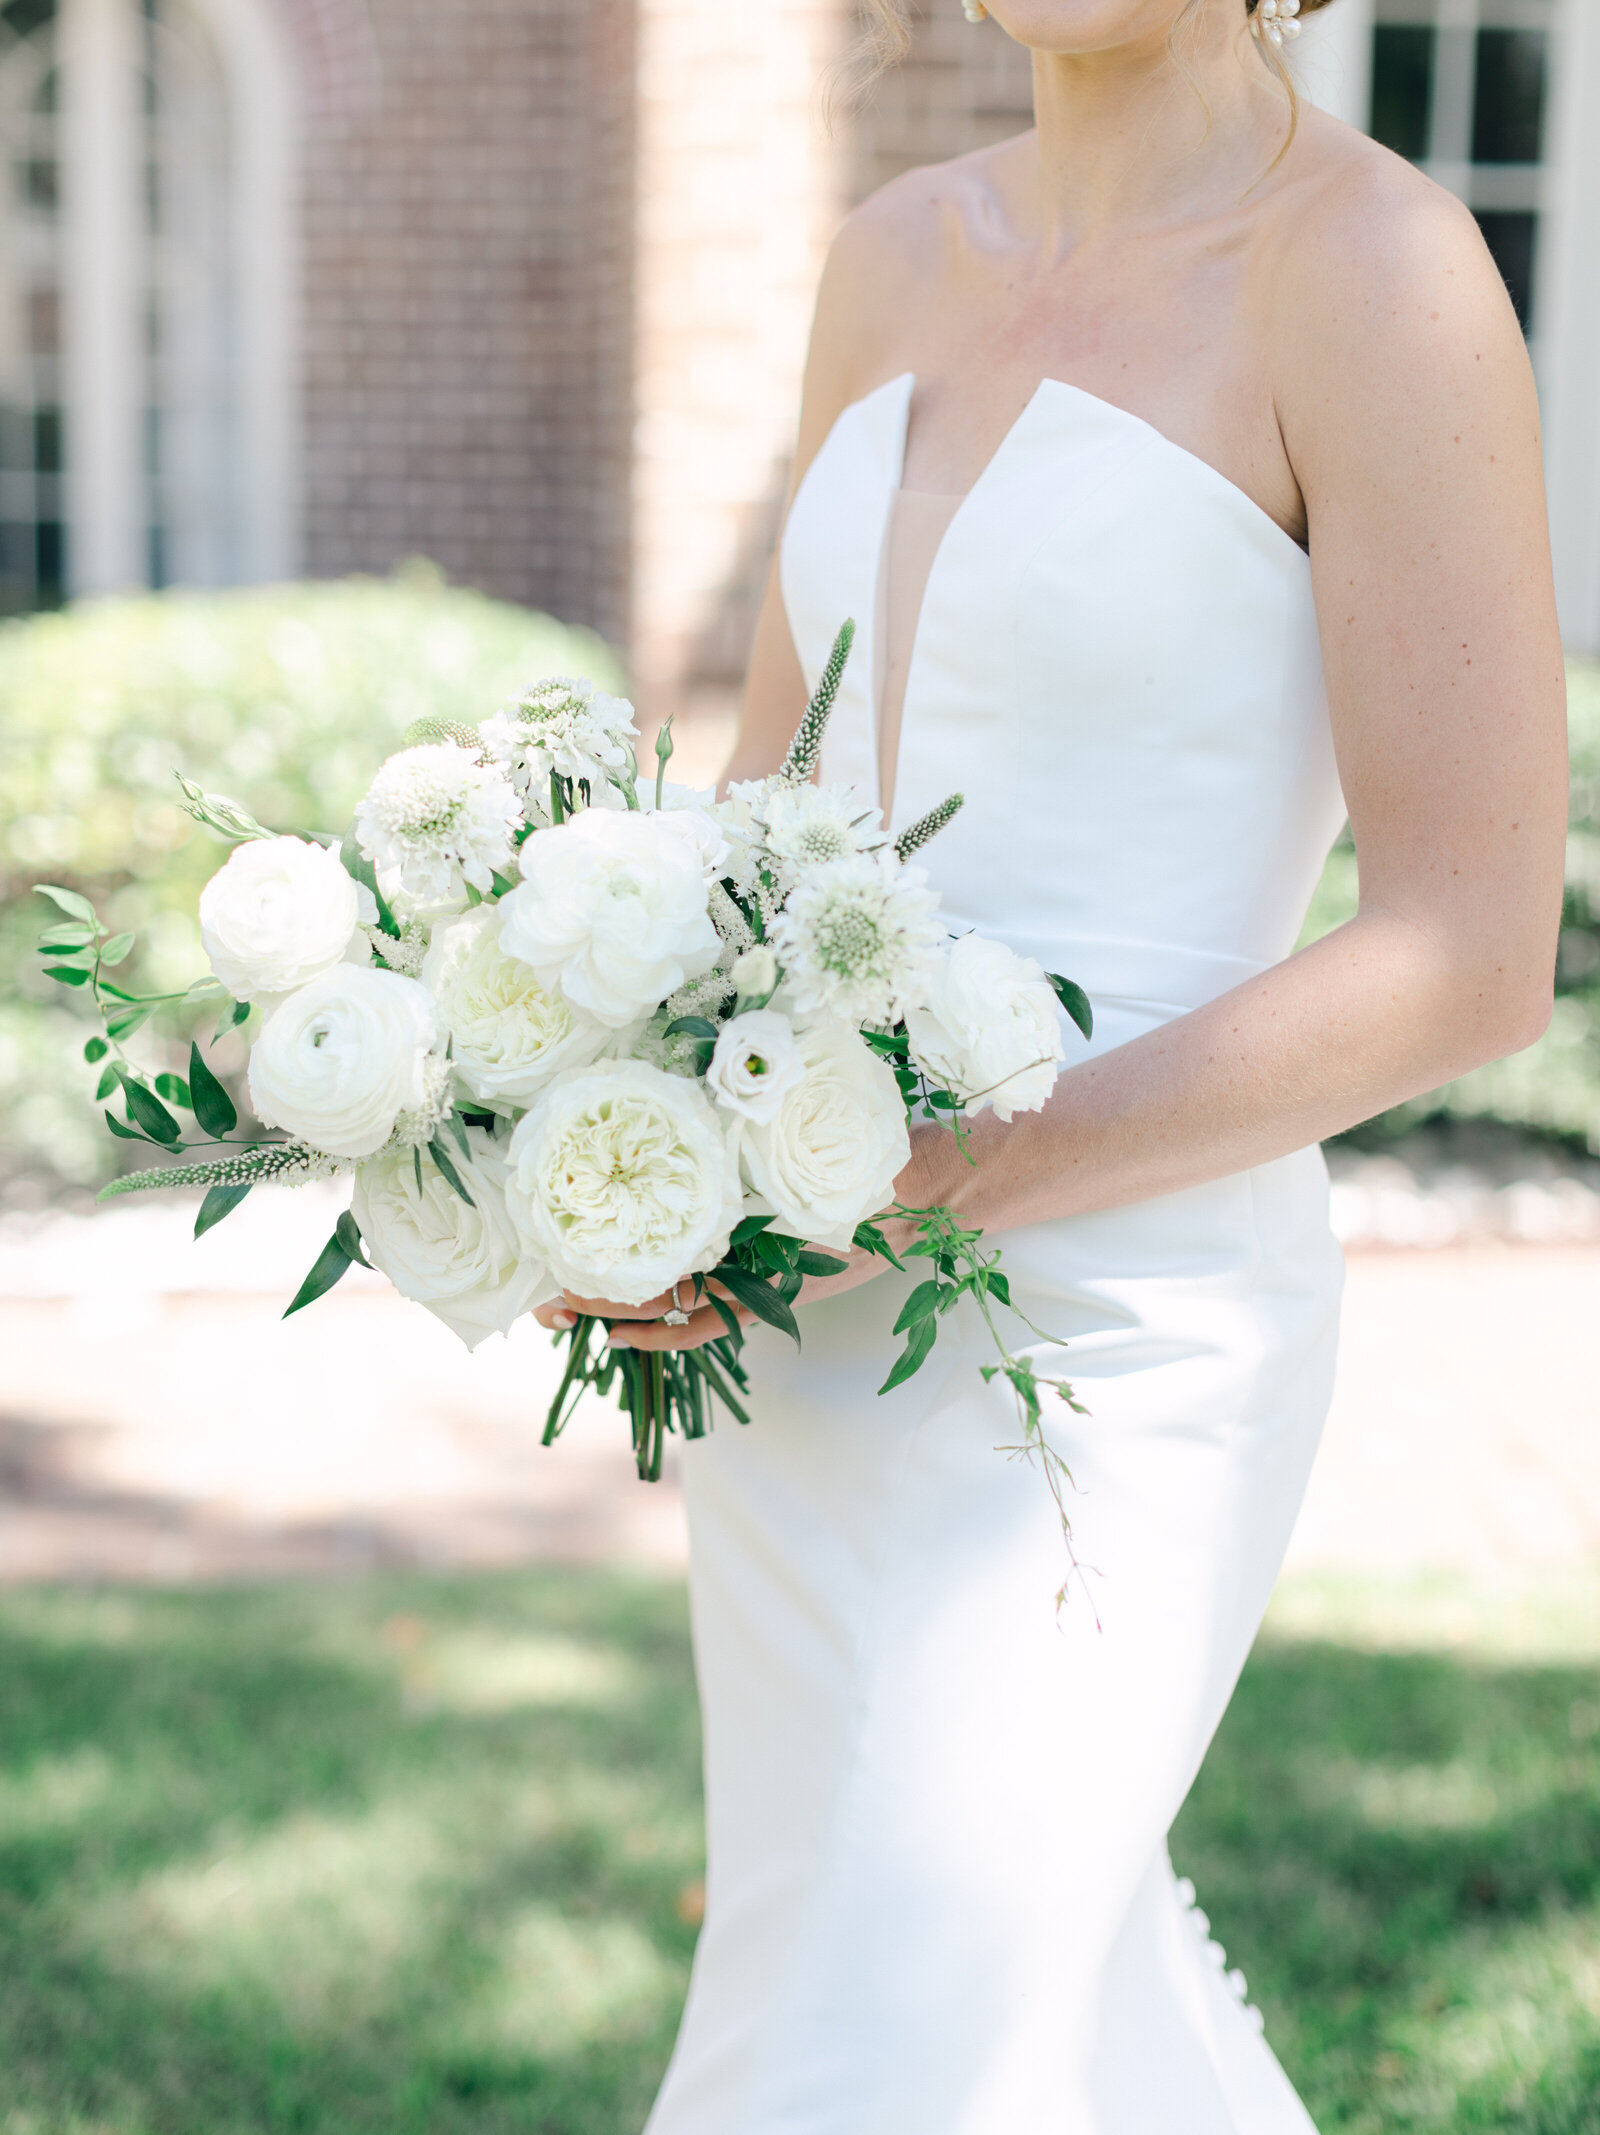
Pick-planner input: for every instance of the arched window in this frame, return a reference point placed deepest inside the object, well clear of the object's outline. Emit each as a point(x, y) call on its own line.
point(146, 297)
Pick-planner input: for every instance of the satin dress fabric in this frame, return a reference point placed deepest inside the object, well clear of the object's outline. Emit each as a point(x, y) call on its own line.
point(939, 1898)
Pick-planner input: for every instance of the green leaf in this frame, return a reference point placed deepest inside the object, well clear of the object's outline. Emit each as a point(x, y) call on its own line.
point(213, 1107)
point(220, 1201)
point(747, 1227)
point(67, 974)
point(66, 934)
point(923, 1301)
point(416, 1165)
point(95, 1049)
point(348, 1233)
point(811, 1262)
point(360, 869)
point(107, 1083)
point(730, 1319)
point(146, 1110)
point(330, 1264)
point(126, 1134)
point(437, 1151)
point(232, 1016)
point(776, 1250)
point(67, 952)
point(503, 884)
point(175, 1090)
point(891, 1044)
point(70, 902)
point(998, 1286)
point(915, 1354)
point(117, 948)
point(1074, 1000)
point(691, 1027)
point(869, 1239)
point(759, 1297)
point(942, 1101)
point(125, 1021)
point(458, 1127)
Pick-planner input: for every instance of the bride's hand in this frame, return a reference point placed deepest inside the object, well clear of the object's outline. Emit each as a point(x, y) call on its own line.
point(645, 1326)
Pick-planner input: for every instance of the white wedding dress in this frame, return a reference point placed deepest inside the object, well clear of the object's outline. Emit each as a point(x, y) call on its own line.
point(939, 1900)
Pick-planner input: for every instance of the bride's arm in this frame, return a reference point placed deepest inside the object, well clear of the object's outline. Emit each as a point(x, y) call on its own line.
point(1407, 408)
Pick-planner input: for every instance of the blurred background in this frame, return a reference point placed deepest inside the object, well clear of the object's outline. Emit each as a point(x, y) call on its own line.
point(359, 359)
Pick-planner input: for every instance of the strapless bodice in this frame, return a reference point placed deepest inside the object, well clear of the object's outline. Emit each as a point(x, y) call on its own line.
point(1117, 663)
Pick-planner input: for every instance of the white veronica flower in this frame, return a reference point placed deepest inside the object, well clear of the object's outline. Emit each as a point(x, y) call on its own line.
point(509, 1032)
point(809, 826)
point(340, 1060)
point(612, 911)
point(565, 725)
point(857, 939)
point(754, 1065)
point(988, 1030)
point(281, 912)
point(623, 1181)
point(434, 820)
point(464, 1264)
point(830, 1154)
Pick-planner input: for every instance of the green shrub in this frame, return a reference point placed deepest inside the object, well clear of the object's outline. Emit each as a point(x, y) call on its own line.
point(1554, 1087)
point(285, 697)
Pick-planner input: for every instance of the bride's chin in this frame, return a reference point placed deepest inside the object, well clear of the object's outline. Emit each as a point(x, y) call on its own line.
point(1078, 28)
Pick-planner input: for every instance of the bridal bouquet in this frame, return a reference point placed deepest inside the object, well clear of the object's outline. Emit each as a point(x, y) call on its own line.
point(565, 1034)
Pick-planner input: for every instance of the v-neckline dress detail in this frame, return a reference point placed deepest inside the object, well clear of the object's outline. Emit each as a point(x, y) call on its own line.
point(939, 1900)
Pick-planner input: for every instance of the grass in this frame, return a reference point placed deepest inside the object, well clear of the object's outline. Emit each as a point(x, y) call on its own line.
point(416, 1854)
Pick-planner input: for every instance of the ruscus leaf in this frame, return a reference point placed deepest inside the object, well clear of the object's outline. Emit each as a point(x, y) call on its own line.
point(811, 1262)
point(1074, 1000)
point(220, 1201)
point(232, 1016)
point(348, 1233)
point(175, 1090)
point(452, 1177)
point(95, 1049)
point(759, 1297)
point(923, 1301)
point(147, 1111)
point(213, 1107)
point(913, 1356)
point(107, 1083)
point(330, 1264)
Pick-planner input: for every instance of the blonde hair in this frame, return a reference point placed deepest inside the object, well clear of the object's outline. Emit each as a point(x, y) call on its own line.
point(886, 38)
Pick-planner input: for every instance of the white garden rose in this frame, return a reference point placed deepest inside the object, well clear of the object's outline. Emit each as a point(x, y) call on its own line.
point(280, 912)
point(622, 1181)
point(988, 1030)
point(754, 1065)
point(509, 1032)
point(463, 1263)
point(612, 910)
point(831, 1155)
point(338, 1061)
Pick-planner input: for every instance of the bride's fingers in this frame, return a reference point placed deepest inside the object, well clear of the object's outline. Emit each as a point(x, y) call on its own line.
point(703, 1325)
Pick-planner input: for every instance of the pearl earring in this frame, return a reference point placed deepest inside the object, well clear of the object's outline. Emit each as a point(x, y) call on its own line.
point(975, 11)
point(1275, 20)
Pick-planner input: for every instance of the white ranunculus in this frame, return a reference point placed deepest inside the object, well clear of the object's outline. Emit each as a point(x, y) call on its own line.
point(833, 1152)
point(509, 1032)
point(463, 1263)
point(692, 814)
point(281, 911)
point(755, 1064)
point(338, 1061)
point(434, 820)
point(612, 910)
point(622, 1181)
point(988, 1030)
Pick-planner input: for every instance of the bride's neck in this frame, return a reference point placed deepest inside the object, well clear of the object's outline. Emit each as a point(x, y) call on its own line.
point(1124, 139)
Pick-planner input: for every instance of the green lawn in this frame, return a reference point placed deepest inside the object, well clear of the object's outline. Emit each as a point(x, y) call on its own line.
point(412, 1855)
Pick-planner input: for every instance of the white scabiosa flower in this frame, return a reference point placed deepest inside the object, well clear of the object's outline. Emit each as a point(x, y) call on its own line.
point(611, 910)
point(622, 1181)
point(465, 1264)
point(509, 1032)
point(564, 725)
point(340, 1060)
point(836, 1142)
point(857, 939)
point(281, 912)
point(434, 820)
point(754, 1065)
point(988, 1029)
point(810, 826)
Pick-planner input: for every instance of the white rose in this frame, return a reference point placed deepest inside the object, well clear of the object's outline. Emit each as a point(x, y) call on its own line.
point(509, 1032)
point(833, 1152)
point(339, 1061)
point(988, 1031)
point(281, 911)
point(622, 1181)
point(463, 1263)
point(612, 909)
point(755, 1064)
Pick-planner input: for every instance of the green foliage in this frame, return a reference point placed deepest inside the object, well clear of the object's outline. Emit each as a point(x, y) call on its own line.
point(284, 699)
point(1553, 1087)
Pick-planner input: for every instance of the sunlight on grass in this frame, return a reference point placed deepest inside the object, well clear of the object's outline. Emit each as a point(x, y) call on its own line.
point(556, 1983)
point(488, 1672)
point(53, 1792)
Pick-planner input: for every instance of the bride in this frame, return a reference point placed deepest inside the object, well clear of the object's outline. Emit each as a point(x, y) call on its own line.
point(1179, 460)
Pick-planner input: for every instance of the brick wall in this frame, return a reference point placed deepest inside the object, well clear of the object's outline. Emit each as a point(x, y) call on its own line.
point(467, 272)
point(961, 86)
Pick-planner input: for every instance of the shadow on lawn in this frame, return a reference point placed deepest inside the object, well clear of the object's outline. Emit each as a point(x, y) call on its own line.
point(415, 1855)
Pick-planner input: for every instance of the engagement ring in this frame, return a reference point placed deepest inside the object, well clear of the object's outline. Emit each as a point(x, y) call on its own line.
point(677, 1317)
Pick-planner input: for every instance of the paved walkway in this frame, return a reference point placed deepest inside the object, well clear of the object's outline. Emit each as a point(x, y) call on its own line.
point(151, 1428)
